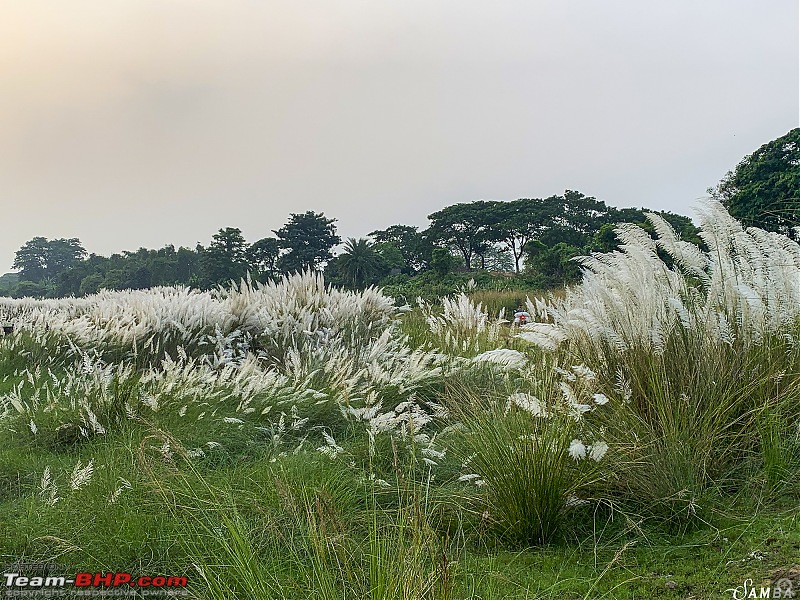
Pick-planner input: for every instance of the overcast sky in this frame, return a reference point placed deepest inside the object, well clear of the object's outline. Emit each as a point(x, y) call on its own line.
point(131, 123)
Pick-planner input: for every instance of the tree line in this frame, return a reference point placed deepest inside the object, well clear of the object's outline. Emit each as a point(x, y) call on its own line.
point(536, 235)
point(62, 267)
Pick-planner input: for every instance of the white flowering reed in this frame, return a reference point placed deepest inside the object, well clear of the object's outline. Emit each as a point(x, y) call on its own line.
point(745, 285)
point(81, 475)
point(462, 327)
point(47, 488)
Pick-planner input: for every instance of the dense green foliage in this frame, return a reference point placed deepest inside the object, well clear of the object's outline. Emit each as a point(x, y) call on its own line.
point(308, 239)
point(58, 268)
point(40, 258)
point(537, 236)
point(764, 188)
point(360, 263)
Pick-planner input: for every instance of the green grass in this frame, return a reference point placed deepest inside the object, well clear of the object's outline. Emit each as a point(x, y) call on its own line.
point(495, 288)
point(256, 520)
point(306, 528)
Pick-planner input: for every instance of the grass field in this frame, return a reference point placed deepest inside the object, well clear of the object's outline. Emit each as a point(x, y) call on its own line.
point(639, 440)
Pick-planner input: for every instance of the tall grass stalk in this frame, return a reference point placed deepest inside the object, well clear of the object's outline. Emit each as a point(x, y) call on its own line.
point(527, 463)
point(696, 417)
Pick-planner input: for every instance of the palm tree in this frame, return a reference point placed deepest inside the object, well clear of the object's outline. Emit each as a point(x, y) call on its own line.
point(359, 264)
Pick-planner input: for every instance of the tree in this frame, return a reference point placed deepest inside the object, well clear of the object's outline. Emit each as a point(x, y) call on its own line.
point(226, 257)
point(263, 255)
point(141, 278)
point(496, 259)
point(441, 261)
point(62, 254)
point(70, 281)
point(162, 269)
point(29, 289)
point(359, 264)
point(186, 265)
point(414, 246)
point(116, 279)
point(574, 218)
point(391, 258)
point(309, 239)
point(521, 221)
point(31, 260)
point(605, 240)
point(7, 283)
point(40, 258)
point(90, 284)
point(763, 190)
point(230, 243)
point(468, 227)
point(553, 264)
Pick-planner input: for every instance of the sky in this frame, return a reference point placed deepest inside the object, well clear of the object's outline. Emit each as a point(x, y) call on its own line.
point(140, 123)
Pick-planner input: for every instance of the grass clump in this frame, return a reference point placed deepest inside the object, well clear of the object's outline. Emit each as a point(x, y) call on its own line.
point(536, 453)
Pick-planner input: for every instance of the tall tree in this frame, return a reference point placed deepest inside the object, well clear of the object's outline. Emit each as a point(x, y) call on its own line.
point(764, 188)
point(553, 264)
point(226, 257)
point(441, 261)
point(263, 255)
point(521, 221)
point(62, 254)
point(187, 265)
point(309, 239)
point(574, 219)
point(468, 227)
point(41, 258)
point(31, 260)
point(359, 264)
point(414, 245)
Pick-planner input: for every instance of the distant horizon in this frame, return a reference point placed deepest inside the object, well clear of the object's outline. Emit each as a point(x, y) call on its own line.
point(192, 246)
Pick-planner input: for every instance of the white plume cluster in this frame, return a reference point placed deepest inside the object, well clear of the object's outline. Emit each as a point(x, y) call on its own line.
point(296, 312)
point(745, 284)
point(462, 325)
point(266, 358)
point(124, 318)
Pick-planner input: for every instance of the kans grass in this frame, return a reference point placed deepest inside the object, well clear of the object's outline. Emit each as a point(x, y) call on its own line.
point(639, 439)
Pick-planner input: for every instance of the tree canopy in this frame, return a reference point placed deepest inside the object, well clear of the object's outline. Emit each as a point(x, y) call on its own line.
point(225, 259)
point(262, 256)
point(309, 239)
point(359, 264)
point(41, 258)
point(539, 236)
point(763, 190)
point(415, 247)
point(467, 227)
